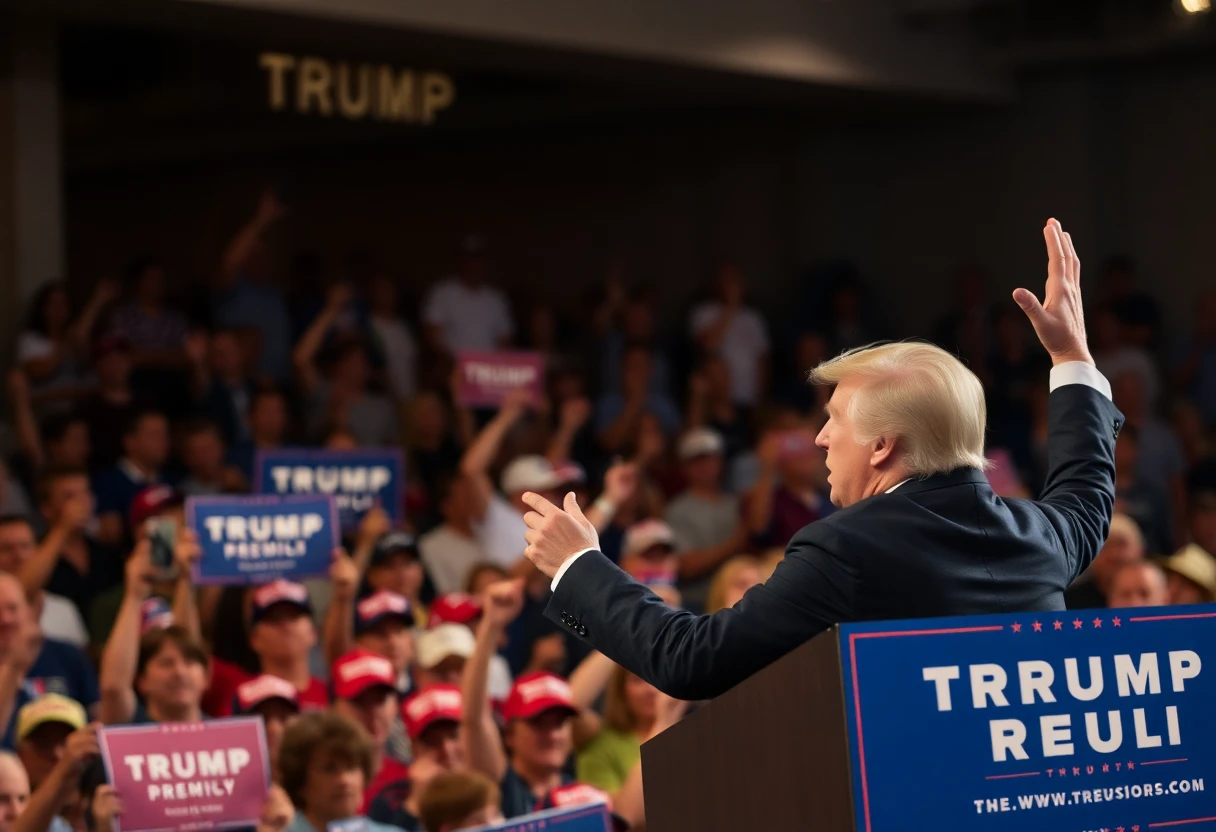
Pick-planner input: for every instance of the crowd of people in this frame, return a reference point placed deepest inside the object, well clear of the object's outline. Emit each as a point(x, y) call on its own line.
point(418, 684)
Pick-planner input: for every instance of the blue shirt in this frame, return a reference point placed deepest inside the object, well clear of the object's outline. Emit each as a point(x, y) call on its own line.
point(60, 668)
point(517, 796)
point(300, 824)
point(248, 304)
point(117, 487)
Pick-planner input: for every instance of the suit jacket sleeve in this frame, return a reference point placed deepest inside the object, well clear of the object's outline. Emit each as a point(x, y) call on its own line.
point(1078, 496)
point(698, 657)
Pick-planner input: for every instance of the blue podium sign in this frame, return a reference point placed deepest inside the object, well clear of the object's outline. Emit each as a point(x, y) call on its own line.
point(255, 539)
point(357, 480)
point(593, 818)
point(1049, 721)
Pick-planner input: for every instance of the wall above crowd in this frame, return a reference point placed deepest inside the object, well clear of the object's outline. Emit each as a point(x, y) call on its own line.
point(829, 42)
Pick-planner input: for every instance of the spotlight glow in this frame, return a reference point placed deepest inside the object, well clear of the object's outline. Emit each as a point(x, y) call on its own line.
point(1196, 6)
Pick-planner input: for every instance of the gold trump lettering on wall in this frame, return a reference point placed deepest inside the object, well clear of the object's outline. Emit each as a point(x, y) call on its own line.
point(355, 91)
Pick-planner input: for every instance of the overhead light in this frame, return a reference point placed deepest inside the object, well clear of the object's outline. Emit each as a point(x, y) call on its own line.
point(1196, 6)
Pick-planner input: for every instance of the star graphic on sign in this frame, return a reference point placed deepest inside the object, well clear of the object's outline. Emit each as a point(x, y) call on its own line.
point(1098, 623)
point(1117, 621)
point(1105, 768)
point(1136, 828)
point(1062, 772)
point(1076, 772)
point(1059, 625)
point(1017, 628)
point(1119, 829)
point(1131, 766)
point(1077, 623)
point(1038, 628)
point(1118, 766)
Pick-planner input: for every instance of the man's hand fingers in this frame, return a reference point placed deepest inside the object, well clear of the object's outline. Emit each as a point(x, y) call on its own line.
point(1056, 259)
point(542, 506)
point(533, 520)
point(532, 535)
point(572, 508)
point(1029, 303)
point(1074, 262)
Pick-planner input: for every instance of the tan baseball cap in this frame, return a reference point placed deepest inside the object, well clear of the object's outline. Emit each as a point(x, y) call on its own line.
point(50, 707)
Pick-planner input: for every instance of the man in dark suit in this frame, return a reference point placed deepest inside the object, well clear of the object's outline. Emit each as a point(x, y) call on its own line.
point(920, 532)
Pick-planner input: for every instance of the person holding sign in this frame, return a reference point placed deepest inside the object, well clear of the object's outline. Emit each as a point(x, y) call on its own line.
point(920, 532)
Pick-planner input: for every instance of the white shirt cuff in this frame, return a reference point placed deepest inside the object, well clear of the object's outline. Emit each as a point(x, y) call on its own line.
point(561, 570)
point(1079, 372)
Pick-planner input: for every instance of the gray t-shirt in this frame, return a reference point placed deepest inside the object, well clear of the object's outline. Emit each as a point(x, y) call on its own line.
point(698, 523)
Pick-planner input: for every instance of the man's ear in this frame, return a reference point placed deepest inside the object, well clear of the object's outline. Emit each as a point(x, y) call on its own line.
point(882, 451)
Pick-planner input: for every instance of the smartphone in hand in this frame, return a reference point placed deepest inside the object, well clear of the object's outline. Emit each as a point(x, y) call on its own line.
point(162, 535)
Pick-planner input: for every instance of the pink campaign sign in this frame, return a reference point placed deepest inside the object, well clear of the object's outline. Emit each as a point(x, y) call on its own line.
point(487, 377)
point(192, 775)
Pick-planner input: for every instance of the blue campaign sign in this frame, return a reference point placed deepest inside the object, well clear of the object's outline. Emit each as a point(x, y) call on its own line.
point(1051, 721)
point(256, 539)
point(358, 479)
point(593, 818)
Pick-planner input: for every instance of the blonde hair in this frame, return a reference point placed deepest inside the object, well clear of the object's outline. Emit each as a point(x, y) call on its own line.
point(725, 576)
point(918, 394)
point(617, 713)
point(1123, 524)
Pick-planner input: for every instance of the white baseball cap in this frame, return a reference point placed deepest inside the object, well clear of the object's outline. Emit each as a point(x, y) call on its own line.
point(442, 641)
point(700, 442)
point(530, 473)
point(642, 536)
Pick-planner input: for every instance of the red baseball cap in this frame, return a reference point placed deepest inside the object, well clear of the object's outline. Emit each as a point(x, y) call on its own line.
point(437, 703)
point(359, 671)
point(150, 502)
point(279, 592)
point(454, 608)
point(534, 693)
point(264, 688)
point(381, 605)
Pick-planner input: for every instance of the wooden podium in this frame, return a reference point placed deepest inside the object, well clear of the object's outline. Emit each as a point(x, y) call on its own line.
point(770, 754)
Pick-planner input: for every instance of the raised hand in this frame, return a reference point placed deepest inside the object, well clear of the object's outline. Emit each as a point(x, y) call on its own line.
point(82, 746)
point(339, 295)
point(186, 552)
point(503, 602)
point(18, 385)
point(139, 572)
point(196, 345)
point(516, 403)
point(555, 535)
point(77, 512)
point(270, 207)
point(107, 806)
point(1059, 320)
point(277, 811)
point(344, 576)
point(621, 482)
point(374, 525)
point(575, 413)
